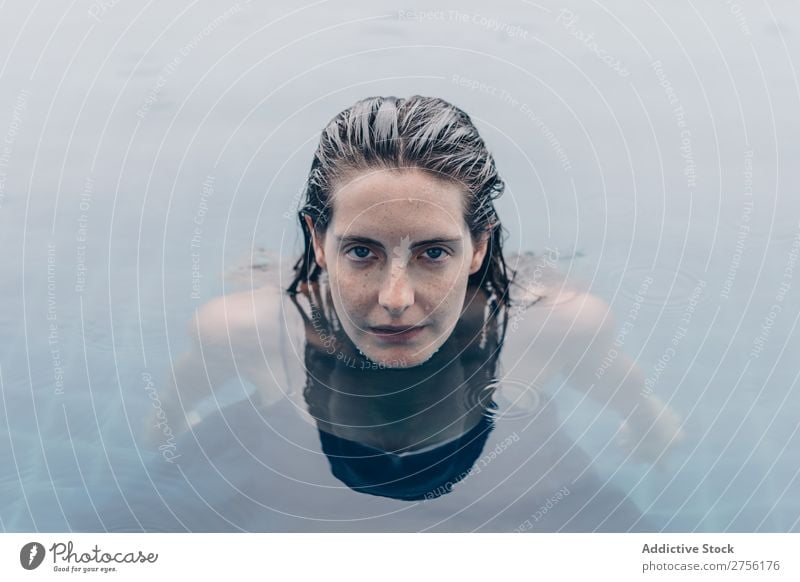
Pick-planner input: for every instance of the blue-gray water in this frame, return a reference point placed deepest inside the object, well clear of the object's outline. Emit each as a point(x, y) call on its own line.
point(150, 151)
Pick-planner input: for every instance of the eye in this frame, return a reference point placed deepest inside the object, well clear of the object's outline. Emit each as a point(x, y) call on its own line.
point(359, 253)
point(436, 254)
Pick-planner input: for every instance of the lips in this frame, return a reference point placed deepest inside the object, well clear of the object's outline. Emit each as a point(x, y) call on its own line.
point(390, 334)
point(392, 329)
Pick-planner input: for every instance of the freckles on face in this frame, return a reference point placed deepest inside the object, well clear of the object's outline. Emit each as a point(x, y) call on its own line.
point(356, 287)
point(398, 255)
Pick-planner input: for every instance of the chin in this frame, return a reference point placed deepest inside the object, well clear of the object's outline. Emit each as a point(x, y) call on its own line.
point(421, 359)
point(394, 359)
point(398, 359)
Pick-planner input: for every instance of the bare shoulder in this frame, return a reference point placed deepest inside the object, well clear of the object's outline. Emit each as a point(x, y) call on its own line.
point(237, 318)
point(589, 326)
point(564, 315)
point(584, 312)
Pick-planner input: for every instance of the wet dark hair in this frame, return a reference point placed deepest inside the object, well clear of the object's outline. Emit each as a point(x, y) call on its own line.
point(422, 133)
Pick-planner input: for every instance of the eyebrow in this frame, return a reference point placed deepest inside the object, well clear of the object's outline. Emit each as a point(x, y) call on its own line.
point(343, 240)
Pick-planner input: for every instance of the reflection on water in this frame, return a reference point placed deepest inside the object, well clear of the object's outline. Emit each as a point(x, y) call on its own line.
point(404, 433)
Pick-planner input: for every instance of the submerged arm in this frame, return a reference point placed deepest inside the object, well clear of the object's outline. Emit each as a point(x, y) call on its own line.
point(594, 364)
point(225, 344)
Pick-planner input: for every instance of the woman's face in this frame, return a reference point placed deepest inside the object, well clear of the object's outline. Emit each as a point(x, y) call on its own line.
point(398, 256)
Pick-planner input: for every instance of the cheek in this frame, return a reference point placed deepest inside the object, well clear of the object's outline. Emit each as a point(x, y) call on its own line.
point(353, 289)
point(445, 296)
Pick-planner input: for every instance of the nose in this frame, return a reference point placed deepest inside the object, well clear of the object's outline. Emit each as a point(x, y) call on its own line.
point(396, 293)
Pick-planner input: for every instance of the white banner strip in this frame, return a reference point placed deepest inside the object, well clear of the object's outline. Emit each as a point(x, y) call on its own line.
point(356, 557)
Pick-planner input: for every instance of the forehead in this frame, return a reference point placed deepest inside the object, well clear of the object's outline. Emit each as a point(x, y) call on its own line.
point(407, 200)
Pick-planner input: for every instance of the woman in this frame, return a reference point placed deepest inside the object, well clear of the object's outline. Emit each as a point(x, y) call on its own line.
point(402, 278)
point(412, 185)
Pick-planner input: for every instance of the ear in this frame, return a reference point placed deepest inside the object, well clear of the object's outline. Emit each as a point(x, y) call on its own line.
point(317, 242)
point(479, 252)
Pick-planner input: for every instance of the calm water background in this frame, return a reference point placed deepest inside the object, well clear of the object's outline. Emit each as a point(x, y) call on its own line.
point(151, 150)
